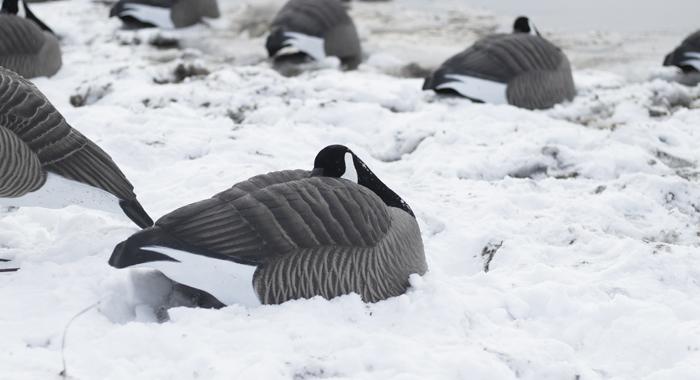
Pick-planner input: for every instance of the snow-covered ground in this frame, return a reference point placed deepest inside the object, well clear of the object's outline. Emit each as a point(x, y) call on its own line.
point(562, 244)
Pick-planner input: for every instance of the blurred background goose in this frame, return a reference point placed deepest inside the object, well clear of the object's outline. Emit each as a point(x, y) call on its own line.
point(687, 58)
point(287, 235)
point(522, 69)
point(46, 163)
point(315, 29)
point(166, 14)
point(27, 45)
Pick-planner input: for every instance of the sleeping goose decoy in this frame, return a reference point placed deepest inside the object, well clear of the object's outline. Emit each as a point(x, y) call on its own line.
point(687, 55)
point(317, 29)
point(166, 14)
point(27, 45)
point(522, 69)
point(46, 163)
point(288, 235)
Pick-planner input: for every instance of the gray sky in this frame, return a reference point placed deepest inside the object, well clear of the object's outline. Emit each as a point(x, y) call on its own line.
point(611, 15)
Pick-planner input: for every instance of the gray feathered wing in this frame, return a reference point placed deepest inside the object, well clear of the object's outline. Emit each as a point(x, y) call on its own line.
point(60, 149)
point(26, 49)
point(274, 214)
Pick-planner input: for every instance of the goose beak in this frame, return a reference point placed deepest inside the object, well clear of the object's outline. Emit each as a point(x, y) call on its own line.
point(317, 172)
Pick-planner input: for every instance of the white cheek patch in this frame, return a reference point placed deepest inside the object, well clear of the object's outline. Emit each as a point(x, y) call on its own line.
point(231, 283)
point(59, 192)
point(157, 16)
point(313, 46)
point(350, 170)
point(694, 60)
point(477, 88)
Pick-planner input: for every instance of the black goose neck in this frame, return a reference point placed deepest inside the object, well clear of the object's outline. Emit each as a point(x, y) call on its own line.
point(368, 179)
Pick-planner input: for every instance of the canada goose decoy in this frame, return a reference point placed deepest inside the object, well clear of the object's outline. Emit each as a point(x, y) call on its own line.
point(687, 55)
point(288, 235)
point(166, 14)
point(317, 29)
point(46, 163)
point(522, 69)
point(27, 45)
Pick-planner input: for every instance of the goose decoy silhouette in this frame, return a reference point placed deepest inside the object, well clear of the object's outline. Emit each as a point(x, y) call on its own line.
point(687, 55)
point(27, 45)
point(166, 14)
point(46, 163)
point(317, 29)
point(522, 69)
point(287, 235)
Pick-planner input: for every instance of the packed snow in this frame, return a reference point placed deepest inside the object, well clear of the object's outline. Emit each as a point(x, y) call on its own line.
point(562, 244)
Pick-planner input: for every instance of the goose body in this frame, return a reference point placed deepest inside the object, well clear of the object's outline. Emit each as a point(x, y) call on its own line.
point(287, 235)
point(522, 69)
point(317, 29)
point(687, 55)
point(44, 162)
point(27, 46)
point(166, 14)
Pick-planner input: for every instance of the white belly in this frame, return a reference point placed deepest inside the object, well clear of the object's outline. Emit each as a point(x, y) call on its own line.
point(60, 192)
point(157, 16)
point(477, 88)
point(313, 46)
point(229, 282)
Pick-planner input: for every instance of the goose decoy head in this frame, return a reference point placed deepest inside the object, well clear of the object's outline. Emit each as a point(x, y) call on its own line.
point(522, 24)
point(339, 161)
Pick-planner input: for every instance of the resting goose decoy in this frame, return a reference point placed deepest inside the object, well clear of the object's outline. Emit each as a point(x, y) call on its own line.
point(166, 14)
point(522, 69)
point(687, 55)
point(317, 29)
point(27, 45)
point(288, 235)
point(46, 163)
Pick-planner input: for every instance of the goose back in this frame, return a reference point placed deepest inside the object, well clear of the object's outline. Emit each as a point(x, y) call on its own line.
point(26, 49)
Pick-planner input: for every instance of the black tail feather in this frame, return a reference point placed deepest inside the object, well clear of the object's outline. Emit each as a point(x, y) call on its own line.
point(276, 41)
point(136, 213)
point(129, 253)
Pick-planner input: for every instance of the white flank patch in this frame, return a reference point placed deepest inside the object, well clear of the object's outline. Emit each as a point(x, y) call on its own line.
point(157, 16)
point(59, 192)
point(313, 46)
point(229, 282)
point(477, 88)
point(693, 61)
point(350, 170)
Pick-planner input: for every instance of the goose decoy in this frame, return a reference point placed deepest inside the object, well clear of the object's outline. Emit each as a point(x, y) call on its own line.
point(46, 163)
point(522, 69)
point(687, 55)
point(166, 14)
point(316, 29)
point(287, 235)
point(27, 45)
